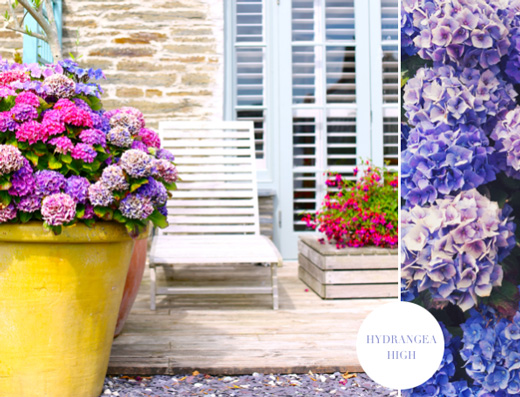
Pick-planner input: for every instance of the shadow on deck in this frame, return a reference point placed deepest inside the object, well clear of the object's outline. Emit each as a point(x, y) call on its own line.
point(239, 334)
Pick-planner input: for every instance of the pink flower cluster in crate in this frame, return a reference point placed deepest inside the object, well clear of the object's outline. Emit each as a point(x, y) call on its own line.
point(360, 212)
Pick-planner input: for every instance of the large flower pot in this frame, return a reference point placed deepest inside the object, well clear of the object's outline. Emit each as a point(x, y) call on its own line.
point(133, 280)
point(59, 299)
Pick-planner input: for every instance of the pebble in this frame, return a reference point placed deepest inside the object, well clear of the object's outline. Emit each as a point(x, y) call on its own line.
point(256, 384)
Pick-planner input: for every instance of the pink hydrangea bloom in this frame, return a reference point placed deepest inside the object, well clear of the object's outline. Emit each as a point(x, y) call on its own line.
point(58, 209)
point(7, 213)
point(27, 98)
point(150, 138)
point(84, 151)
point(52, 122)
point(11, 159)
point(166, 170)
point(10, 76)
point(30, 203)
point(127, 121)
point(6, 91)
point(32, 132)
point(63, 144)
point(71, 114)
point(134, 112)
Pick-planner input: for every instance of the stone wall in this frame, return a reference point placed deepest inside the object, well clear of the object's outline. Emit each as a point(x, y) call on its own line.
point(164, 57)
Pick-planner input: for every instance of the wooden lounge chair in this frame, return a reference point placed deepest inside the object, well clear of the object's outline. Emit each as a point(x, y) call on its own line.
point(213, 214)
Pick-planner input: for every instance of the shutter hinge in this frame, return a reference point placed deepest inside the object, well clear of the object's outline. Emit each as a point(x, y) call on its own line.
point(280, 219)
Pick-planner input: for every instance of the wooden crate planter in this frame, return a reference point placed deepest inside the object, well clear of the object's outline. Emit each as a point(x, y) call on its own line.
point(367, 272)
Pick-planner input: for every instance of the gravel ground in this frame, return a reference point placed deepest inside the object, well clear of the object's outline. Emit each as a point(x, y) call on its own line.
point(256, 384)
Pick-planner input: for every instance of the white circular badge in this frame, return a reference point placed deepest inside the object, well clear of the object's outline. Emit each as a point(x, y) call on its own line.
point(400, 345)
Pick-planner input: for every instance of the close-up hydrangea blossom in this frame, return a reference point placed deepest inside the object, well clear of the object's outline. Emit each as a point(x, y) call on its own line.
point(58, 209)
point(100, 194)
point(453, 248)
point(11, 159)
point(59, 86)
point(48, 182)
point(138, 164)
point(446, 95)
point(466, 33)
point(22, 181)
point(114, 178)
point(77, 188)
point(507, 144)
point(440, 160)
point(491, 351)
point(119, 136)
point(136, 206)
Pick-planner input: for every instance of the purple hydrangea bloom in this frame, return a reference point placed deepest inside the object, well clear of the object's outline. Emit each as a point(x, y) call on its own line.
point(140, 146)
point(408, 34)
point(49, 182)
point(7, 213)
point(441, 160)
point(58, 209)
point(137, 164)
point(100, 122)
point(100, 195)
point(77, 188)
point(491, 351)
point(166, 170)
point(84, 151)
point(23, 181)
point(7, 122)
point(128, 121)
point(453, 248)
point(119, 136)
point(114, 178)
point(93, 137)
point(11, 159)
point(463, 33)
point(135, 206)
point(31, 203)
point(155, 191)
point(445, 95)
point(165, 154)
point(24, 112)
point(507, 144)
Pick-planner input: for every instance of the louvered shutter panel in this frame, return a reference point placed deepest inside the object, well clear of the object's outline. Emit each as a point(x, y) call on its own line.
point(324, 98)
point(35, 50)
point(250, 70)
point(390, 46)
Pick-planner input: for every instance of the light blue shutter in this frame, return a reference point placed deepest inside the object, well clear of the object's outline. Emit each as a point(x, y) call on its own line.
point(35, 50)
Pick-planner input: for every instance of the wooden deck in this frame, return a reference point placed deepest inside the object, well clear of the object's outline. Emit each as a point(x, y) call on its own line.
point(238, 334)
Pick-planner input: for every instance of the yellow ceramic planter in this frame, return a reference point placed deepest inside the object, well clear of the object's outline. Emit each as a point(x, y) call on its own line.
point(59, 300)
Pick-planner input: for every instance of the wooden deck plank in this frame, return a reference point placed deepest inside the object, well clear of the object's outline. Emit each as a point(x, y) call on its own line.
point(239, 334)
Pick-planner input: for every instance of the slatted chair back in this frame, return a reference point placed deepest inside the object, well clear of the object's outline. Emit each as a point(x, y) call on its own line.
point(217, 193)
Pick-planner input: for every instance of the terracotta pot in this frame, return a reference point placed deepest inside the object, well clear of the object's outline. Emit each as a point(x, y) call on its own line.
point(59, 298)
point(133, 281)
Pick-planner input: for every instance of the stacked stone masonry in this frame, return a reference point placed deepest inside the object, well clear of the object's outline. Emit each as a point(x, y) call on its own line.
point(164, 57)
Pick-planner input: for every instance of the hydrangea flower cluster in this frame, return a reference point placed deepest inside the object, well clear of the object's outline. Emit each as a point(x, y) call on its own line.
point(447, 95)
point(465, 33)
point(442, 383)
point(507, 144)
point(440, 160)
point(63, 159)
point(453, 248)
point(491, 350)
point(358, 213)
